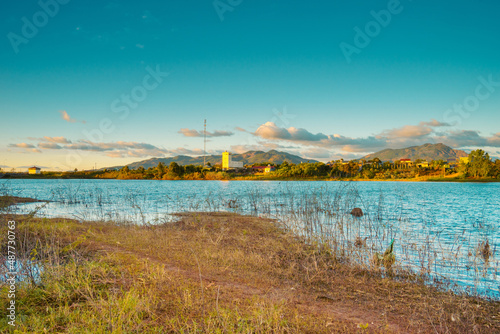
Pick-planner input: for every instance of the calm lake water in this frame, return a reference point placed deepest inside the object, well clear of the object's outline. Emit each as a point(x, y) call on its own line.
point(438, 227)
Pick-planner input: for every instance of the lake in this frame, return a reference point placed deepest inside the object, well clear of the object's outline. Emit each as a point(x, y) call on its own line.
point(439, 228)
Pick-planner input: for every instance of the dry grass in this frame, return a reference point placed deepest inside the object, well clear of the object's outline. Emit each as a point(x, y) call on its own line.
point(6, 201)
point(218, 273)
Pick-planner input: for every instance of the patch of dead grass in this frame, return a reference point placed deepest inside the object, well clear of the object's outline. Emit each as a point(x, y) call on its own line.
point(224, 272)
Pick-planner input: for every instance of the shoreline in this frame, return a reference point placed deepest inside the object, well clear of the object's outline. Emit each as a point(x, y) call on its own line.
point(6, 201)
point(430, 179)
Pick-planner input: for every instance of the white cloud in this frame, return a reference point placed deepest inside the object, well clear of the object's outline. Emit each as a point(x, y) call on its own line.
point(301, 136)
point(317, 153)
point(423, 129)
point(58, 140)
point(65, 116)
point(22, 145)
point(407, 135)
point(185, 151)
point(195, 133)
point(49, 146)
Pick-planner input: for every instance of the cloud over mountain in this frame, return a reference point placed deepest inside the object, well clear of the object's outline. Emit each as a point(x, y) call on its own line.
point(422, 130)
point(407, 135)
point(271, 131)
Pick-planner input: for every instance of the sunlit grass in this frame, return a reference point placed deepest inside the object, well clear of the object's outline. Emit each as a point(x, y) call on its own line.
point(218, 273)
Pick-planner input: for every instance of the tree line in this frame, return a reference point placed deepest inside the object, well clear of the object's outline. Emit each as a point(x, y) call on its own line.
point(479, 166)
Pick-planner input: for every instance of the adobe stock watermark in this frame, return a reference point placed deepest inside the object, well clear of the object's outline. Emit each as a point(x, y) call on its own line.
point(223, 6)
point(471, 103)
point(11, 275)
point(30, 27)
point(282, 116)
point(371, 30)
point(122, 107)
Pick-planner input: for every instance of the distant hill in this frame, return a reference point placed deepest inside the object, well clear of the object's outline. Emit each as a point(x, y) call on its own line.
point(248, 158)
point(426, 152)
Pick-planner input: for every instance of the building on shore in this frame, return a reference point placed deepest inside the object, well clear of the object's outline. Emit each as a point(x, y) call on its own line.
point(34, 170)
point(263, 169)
point(228, 163)
point(423, 164)
point(406, 163)
point(269, 169)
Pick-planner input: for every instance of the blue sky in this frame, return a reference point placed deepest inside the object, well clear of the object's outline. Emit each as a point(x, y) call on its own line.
point(265, 74)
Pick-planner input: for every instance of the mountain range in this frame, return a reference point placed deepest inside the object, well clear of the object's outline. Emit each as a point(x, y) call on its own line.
point(427, 152)
point(248, 158)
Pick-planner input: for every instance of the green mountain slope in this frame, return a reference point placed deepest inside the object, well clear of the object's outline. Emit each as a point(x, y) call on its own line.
point(427, 152)
point(248, 158)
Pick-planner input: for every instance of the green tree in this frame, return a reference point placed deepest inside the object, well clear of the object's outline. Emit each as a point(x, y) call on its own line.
point(160, 171)
point(284, 164)
point(174, 169)
point(368, 173)
point(351, 168)
point(284, 169)
point(438, 164)
point(387, 165)
point(495, 169)
point(336, 170)
point(124, 172)
point(190, 169)
point(462, 168)
point(479, 163)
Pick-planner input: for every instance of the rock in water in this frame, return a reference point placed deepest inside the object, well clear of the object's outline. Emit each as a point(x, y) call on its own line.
point(357, 212)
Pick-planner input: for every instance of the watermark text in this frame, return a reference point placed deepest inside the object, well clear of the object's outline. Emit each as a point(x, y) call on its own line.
point(12, 272)
point(31, 27)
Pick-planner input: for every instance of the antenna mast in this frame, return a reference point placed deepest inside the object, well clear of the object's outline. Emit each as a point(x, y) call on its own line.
point(204, 143)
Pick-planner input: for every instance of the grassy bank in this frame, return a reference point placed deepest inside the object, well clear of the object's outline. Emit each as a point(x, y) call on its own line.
point(6, 201)
point(216, 272)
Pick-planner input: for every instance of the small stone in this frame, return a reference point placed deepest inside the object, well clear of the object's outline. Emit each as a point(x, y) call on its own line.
point(357, 212)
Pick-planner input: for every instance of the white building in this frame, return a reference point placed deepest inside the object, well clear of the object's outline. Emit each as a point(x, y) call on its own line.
point(228, 163)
